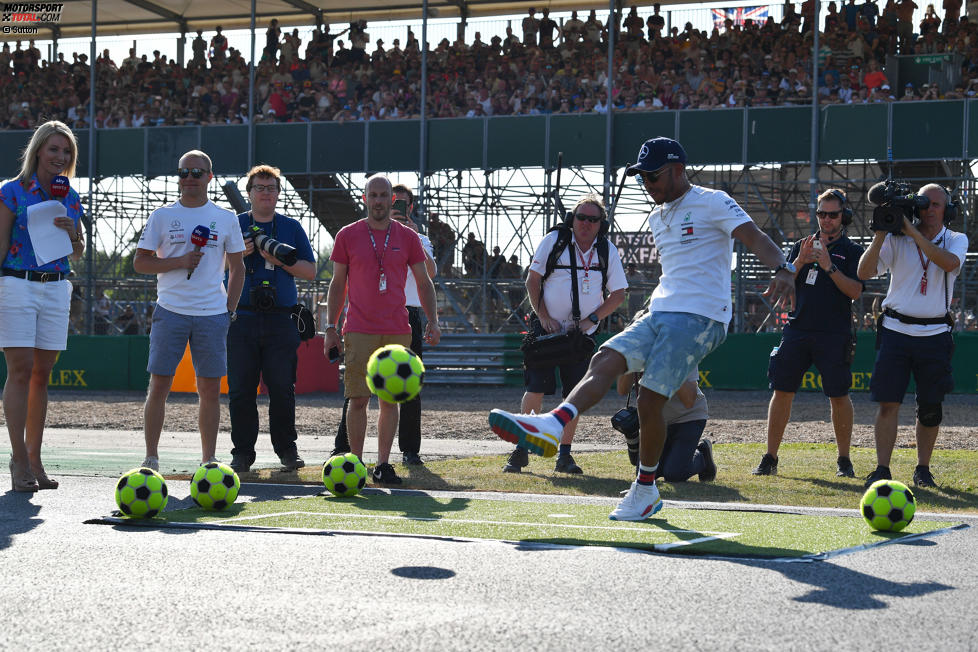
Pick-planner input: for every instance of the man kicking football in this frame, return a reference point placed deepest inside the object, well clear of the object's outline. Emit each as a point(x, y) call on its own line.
point(690, 309)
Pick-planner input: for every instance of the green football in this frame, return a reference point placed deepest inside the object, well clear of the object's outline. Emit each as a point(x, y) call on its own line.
point(214, 486)
point(888, 505)
point(141, 493)
point(344, 475)
point(395, 373)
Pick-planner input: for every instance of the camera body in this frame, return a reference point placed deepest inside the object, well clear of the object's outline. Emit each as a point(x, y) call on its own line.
point(625, 421)
point(286, 253)
point(894, 201)
point(262, 297)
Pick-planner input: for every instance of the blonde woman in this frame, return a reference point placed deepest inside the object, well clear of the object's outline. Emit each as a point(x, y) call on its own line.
point(34, 298)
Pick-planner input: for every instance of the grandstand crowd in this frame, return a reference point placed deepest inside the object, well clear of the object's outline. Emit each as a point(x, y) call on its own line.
point(546, 68)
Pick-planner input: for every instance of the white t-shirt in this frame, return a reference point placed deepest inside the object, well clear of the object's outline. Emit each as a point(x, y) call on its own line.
point(410, 284)
point(898, 255)
point(693, 236)
point(557, 291)
point(168, 234)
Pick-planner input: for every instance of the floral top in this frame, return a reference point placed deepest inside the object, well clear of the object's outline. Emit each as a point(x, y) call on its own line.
point(17, 198)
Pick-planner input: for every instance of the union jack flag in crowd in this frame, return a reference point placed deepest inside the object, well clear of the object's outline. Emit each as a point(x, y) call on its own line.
point(738, 15)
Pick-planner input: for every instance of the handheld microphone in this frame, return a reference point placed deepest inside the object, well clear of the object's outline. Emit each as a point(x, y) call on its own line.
point(59, 187)
point(199, 239)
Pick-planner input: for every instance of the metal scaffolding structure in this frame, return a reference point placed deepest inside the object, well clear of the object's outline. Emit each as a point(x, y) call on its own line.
point(512, 208)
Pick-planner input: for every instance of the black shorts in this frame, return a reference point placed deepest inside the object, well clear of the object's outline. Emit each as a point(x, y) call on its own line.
point(544, 379)
point(927, 358)
point(799, 350)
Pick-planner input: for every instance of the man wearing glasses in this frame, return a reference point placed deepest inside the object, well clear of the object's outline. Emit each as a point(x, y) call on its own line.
point(552, 296)
point(192, 304)
point(693, 229)
point(819, 330)
point(263, 340)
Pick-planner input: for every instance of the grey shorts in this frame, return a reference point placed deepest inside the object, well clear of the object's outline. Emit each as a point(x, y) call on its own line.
point(207, 337)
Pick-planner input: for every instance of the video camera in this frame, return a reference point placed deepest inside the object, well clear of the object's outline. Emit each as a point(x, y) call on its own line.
point(895, 200)
point(262, 297)
point(286, 253)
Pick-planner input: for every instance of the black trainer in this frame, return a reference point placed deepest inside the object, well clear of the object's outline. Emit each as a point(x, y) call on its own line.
point(922, 477)
point(339, 451)
point(239, 465)
point(566, 464)
point(385, 474)
point(291, 461)
point(845, 469)
point(880, 473)
point(709, 472)
point(412, 459)
point(768, 465)
point(517, 460)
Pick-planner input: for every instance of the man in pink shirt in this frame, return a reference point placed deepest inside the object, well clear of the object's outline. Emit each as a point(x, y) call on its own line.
point(371, 258)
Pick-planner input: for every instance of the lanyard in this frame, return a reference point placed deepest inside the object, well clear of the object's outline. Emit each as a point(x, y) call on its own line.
point(373, 243)
point(924, 266)
point(590, 257)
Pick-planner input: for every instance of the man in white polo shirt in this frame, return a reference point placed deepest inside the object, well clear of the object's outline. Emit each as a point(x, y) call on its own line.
point(914, 332)
point(192, 304)
point(693, 229)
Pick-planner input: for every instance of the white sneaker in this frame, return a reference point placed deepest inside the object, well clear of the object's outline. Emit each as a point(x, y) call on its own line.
point(538, 433)
point(641, 502)
point(151, 463)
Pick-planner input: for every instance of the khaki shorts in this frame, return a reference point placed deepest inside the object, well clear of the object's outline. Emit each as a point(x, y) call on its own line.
point(358, 347)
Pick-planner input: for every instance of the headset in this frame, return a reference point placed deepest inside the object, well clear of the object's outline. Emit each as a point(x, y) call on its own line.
point(950, 207)
point(844, 203)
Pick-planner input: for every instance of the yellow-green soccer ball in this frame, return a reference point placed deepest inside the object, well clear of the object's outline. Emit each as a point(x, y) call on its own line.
point(141, 493)
point(888, 505)
point(344, 475)
point(214, 486)
point(395, 373)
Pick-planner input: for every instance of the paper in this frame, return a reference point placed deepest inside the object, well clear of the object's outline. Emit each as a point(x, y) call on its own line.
point(49, 242)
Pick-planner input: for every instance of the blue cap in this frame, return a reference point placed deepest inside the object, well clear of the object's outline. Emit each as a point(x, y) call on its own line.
point(655, 153)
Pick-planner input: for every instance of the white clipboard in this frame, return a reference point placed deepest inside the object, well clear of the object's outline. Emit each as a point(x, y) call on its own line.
point(49, 242)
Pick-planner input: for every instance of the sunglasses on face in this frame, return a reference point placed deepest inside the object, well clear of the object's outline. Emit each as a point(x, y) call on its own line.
point(196, 173)
point(652, 177)
point(832, 214)
point(587, 218)
point(263, 188)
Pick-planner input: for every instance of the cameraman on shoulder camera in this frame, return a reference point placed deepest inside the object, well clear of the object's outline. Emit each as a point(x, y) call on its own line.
point(263, 338)
point(914, 331)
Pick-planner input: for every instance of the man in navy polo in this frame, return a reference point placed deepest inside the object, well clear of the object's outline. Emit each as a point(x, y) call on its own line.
point(819, 330)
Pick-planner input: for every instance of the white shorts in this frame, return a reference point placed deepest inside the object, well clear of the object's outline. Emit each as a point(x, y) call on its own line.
point(33, 314)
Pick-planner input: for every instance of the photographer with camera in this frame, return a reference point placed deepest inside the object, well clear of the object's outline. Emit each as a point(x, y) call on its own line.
point(263, 338)
point(923, 256)
point(575, 280)
point(819, 329)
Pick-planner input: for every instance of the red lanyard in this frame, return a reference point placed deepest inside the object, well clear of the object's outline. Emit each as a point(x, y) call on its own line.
point(580, 257)
point(923, 277)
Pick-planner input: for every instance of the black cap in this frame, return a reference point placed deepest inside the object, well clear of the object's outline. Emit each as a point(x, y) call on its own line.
point(655, 153)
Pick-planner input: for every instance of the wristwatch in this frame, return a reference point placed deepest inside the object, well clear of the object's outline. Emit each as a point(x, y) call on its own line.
point(786, 265)
point(593, 318)
point(326, 327)
point(833, 269)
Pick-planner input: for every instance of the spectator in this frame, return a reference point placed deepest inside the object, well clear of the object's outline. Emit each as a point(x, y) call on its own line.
point(442, 243)
point(219, 46)
point(530, 28)
point(547, 27)
point(473, 256)
point(127, 322)
point(272, 35)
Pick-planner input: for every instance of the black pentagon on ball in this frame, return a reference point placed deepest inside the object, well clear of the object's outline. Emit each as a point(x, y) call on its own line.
point(868, 512)
point(404, 370)
point(910, 497)
point(228, 481)
point(164, 490)
point(884, 490)
point(360, 483)
point(378, 380)
point(122, 482)
point(146, 471)
point(220, 504)
point(348, 466)
point(340, 487)
point(151, 513)
point(400, 397)
point(327, 468)
point(895, 515)
point(384, 354)
point(143, 492)
point(126, 509)
point(421, 378)
point(203, 485)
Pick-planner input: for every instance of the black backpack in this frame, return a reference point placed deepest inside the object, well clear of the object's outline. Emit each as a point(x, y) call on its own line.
point(564, 235)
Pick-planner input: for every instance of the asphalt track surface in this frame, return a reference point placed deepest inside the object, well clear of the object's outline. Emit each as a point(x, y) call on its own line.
point(76, 586)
